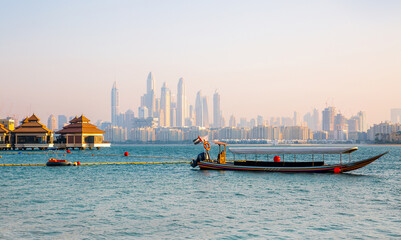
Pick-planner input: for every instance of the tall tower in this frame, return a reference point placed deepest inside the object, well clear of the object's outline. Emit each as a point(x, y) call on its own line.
point(115, 105)
point(150, 94)
point(205, 112)
point(199, 110)
point(165, 104)
point(363, 124)
point(181, 103)
point(52, 122)
point(216, 110)
point(328, 119)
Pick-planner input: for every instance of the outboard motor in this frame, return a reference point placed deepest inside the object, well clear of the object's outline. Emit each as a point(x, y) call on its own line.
point(201, 157)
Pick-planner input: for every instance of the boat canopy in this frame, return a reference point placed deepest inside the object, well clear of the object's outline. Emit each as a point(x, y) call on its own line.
point(292, 150)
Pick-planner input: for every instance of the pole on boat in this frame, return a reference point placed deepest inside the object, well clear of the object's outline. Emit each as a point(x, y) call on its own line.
point(313, 159)
point(341, 158)
point(349, 157)
point(295, 157)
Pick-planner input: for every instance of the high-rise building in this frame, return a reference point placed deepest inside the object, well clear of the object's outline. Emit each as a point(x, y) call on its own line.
point(297, 120)
point(62, 121)
point(205, 112)
point(181, 103)
point(52, 122)
point(216, 110)
point(165, 104)
point(148, 100)
point(328, 119)
point(363, 124)
point(115, 105)
point(260, 121)
point(233, 122)
point(199, 110)
point(396, 115)
point(315, 120)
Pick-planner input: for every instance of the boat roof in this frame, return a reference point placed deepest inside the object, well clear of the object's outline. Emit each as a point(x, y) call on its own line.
point(292, 150)
point(220, 143)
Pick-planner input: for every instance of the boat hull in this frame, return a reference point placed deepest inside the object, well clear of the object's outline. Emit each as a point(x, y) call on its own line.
point(204, 165)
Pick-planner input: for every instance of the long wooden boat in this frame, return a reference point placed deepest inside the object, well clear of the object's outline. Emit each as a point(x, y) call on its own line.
point(206, 163)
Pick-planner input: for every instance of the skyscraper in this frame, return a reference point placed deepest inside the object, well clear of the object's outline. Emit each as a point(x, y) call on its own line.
point(363, 124)
point(216, 110)
point(148, 99)
point(165, 104)
point(115, 105)
point(296, 119)
point(52, 123)
point(199, 110)
point(62, 120)
point(205, 112)
point(181, 103)
point(328, 119)
point(396, 115)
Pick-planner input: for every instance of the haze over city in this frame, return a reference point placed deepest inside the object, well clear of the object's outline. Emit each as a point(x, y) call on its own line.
point(264, 58)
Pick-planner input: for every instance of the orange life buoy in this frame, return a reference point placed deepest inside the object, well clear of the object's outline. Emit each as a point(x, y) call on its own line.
point(206, 145)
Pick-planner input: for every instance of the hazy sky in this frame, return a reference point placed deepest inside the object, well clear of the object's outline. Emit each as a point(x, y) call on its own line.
point(264, 57)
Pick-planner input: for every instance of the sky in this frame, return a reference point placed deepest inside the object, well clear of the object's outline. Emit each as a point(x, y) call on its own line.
point(267, 58)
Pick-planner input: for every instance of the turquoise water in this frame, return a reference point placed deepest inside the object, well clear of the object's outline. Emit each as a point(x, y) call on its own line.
point(173, 201)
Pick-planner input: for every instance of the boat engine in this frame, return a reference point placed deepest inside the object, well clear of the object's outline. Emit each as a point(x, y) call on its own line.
point(201, 157)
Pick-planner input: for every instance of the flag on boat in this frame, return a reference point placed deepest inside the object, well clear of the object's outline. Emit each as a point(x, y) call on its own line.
point(200, 139)
point(197, 140)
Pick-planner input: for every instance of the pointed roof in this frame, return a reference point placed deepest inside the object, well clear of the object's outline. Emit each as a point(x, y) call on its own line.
point(80, 125)
point(31, 125)
point(3, 129)
point(74, 120)
point(33, 118)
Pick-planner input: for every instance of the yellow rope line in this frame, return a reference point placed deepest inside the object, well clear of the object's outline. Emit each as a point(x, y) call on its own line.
point(112, 163)
point(110, 155)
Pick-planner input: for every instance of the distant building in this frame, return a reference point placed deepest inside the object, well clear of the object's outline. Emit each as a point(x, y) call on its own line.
point(165, 104)
point(216, 110)
point(81, 134)
point(52, 122)
point(8, 123)
point(4, 138)
point(396, 115)
point(115, 105)
point(62, 121)
point(382, 131)
point(32, 134)
point(181, 103)
point(199, 110)
point(320, 135)
point(328, 119)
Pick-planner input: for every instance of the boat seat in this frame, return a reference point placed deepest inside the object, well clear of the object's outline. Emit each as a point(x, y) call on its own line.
point(278, 164)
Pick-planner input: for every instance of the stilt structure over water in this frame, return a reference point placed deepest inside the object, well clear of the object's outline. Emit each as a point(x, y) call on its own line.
point(80, 134)
point(32, 134)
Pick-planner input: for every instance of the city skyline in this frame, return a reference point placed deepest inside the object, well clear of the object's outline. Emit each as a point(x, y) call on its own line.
point(276, 57)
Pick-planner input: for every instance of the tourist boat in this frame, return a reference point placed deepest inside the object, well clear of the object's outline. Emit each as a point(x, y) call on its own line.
point(55, 163)
point(205, 162)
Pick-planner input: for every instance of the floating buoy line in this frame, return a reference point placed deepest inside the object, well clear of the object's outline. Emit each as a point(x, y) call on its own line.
point(126, 154)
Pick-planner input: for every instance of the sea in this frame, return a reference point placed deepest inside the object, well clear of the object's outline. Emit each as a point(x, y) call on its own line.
point(174, 201)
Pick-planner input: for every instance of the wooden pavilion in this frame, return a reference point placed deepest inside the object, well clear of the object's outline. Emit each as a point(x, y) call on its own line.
point(81, 134)
point(32, 134)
